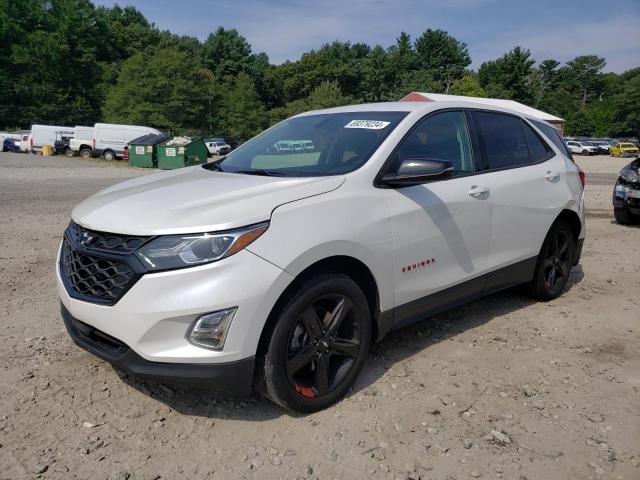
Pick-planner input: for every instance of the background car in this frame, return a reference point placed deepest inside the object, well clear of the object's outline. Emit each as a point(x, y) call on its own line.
point(11, 145)
point(217, 146)
point(626, 194)
point(603, 146)
point(582, 148)
point(624, 149)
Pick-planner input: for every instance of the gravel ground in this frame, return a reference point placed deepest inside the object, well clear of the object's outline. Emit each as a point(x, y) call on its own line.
point(500, 388)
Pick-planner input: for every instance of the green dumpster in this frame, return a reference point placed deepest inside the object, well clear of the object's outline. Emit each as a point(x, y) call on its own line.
point(173, 154)
point(143, 151)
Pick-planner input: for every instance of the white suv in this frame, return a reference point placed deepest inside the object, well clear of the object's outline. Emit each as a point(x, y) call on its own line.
point(582, 148)
point(280, 268)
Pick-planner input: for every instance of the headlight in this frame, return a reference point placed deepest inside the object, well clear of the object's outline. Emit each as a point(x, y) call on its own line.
point(179, 251)
point(630, 174)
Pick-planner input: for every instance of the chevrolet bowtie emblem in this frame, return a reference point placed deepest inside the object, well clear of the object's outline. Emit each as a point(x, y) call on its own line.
point(86, 238)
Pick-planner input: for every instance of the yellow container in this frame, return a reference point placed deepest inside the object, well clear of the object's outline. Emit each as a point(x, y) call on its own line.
point(47, 150)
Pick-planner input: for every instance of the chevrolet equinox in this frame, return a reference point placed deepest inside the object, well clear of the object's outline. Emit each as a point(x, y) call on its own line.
point(277, 268)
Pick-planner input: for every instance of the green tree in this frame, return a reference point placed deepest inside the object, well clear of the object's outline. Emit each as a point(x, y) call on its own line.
point(579, 123)
point(414, 81)
point(542, 79)
point(442, 56)
point(241, 114)
point(587, 72)
point(326, 95)
point(626, 118)
point(467, 86)
point(508, 76)
point(226, 52)
point(378, 74)
point(339, 62)
point(166, 89)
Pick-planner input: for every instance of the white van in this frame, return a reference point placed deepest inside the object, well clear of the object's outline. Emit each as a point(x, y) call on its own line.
point(46, 135)
point(82, 141)
point(109, 139)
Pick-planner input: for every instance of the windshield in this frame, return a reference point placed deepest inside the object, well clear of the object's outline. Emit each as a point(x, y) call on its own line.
point(313, 145)
point(627, 145)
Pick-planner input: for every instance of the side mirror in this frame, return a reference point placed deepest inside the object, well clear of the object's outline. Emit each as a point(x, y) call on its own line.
point(416, 171)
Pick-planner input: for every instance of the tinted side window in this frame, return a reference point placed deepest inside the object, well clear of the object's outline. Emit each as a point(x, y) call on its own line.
point(553, 135)
point(443, 136)
point(538, 150)
point(503, 139)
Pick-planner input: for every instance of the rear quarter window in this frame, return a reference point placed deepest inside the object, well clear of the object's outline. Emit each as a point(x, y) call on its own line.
point(552, 134)
point(539, 151)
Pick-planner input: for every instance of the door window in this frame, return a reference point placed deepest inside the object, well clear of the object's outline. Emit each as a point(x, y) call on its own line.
point(503, 139)
point(443, 136)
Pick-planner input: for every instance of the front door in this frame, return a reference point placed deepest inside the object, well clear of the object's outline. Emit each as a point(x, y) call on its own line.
point(440, 229)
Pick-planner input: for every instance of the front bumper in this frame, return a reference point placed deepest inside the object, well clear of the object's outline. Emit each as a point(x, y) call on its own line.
point(155, 314)
point(627, 195)
point(231, 377)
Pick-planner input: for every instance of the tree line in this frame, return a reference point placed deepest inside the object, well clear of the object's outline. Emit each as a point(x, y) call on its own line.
point(70, 62)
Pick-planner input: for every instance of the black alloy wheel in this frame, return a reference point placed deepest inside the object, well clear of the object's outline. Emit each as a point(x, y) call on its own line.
point(318, 345)
point(557, 263)
point(554, 262)
point(323, 345)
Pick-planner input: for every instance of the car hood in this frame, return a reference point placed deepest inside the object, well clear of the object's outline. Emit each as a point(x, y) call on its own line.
point(192, 200)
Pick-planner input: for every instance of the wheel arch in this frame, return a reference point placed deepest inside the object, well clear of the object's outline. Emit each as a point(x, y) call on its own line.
point(572, 218)
point(346, 265)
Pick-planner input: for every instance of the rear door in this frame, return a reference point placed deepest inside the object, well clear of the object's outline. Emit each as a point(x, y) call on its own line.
point(524, 176)
point(440, 229)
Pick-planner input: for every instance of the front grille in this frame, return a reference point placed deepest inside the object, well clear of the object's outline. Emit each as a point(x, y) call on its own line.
point(99, 267)
point(104, 241)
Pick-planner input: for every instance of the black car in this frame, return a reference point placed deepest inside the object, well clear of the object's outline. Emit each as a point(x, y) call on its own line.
point(626, 195)
point(11, 145)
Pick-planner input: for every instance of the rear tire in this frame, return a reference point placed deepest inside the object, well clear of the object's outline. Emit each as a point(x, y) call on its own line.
point(318, 344)
point(109, 156)
point(624, 216)
point(68, 152)
point(554, 263)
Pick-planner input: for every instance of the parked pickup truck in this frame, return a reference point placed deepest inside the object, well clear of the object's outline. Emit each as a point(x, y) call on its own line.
point(217, 146)
point(82, 141)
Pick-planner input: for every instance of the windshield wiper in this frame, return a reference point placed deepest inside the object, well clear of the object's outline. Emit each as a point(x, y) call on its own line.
point(260, 172)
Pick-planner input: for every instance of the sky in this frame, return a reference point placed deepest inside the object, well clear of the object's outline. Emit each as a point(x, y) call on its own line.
point(287, 28)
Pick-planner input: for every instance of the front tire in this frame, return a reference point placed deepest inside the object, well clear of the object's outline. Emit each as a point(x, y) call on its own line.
point(624, 216)
point(554, 263)
point(85, 153)
point(318, 344)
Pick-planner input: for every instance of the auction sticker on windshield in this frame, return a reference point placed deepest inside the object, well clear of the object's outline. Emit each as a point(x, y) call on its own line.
point(369, 124)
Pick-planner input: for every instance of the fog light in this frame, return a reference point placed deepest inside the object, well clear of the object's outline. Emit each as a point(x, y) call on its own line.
point(210, 330)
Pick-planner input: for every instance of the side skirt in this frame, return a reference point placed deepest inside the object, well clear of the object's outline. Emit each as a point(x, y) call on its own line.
point(455, 296)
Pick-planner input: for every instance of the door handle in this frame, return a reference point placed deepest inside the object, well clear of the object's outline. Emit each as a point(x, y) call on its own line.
point(476, 191)
point(551, 176)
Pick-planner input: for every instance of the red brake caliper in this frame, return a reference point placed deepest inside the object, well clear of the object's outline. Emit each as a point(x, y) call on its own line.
point(305, 391)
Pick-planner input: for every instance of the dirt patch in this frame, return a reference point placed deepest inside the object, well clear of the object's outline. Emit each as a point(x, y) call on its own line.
point(500, 388)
